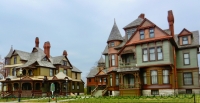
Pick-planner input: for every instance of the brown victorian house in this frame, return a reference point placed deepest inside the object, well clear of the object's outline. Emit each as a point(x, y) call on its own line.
point(30, 74)
point(148, 60)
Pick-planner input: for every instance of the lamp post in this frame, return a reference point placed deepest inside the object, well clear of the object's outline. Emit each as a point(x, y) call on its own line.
point(20, 74)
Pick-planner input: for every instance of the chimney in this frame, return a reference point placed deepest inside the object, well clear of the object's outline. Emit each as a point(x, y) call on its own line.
point(45, 48)
point(48, 49)
point(141, 16)
point(171, 22)
point(65, 53)
point(36, 42)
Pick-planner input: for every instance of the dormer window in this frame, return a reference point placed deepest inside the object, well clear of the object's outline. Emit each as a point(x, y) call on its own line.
point(141, 34)
point(64, 63)
point(151, 32)
point(128, 34)
point(112, 44)
point(44, 59)
point(185, 40)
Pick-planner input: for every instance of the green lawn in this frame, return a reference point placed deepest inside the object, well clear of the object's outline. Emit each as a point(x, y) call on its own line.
point(117, 99)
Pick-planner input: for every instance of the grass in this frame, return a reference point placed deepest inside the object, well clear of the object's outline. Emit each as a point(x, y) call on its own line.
point(118, 99)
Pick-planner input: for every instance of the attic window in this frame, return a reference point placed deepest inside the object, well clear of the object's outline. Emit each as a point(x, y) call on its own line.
point(185, 40)
point(141, 34)
point(112, 44)
point(151, 32)
point(44, 59)
point(64, 63)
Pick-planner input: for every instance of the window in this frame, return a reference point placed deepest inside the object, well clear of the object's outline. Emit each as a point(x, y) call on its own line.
point(187, 78)
point(159, 53)
point(165, 76)
point(76, 77)
point(151, 32)
point(44, 59)
point(188, 91)
point(185, 40)
point(117, 79)
point(57, 71)
point(141, 34)
point(77, 85)
point(145, 77)
point(51, 72)
point(73, 85)
point(65, 71)
point(24, 72)
point(100, 80)
point(133, 30)
point(152, 54)
point(154, 79)
point(112, 44)
point(15, 60)
point(111, 80)
point(104, 80)
point(64, 63)
point(154, 92)
point(14, 72)
point(128, 34)
point(186, 58)
point(30, 72)
point(89, 79)
point(145, 55)
point(113, 60)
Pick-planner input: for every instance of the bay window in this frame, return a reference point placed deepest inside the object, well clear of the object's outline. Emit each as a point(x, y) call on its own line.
point(145, 55)
point(159, 53)
point(111, 80)
point(113, 60)
point(117, 79)
point(165, 76)
point(144, 78)
point(152, 54)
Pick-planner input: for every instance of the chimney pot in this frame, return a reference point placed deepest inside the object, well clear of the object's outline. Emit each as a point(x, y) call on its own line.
point(48, 45)
point(36, 42)
point(171, 22)
point(65, 53)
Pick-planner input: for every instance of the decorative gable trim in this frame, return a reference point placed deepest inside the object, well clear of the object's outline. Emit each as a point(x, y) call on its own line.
point(26, 78)
point(54, 78)
point(184, 32)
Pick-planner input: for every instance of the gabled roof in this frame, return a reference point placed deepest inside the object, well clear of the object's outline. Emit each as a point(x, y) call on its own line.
point(93, 72)
point(61, 75)
point(22, 54)
point(194, 41)
point(74, 69)
point(184, 32)
point(57, 59)
point(134, 23)
point(101, 60)
point(10, 53)
point(114, 34)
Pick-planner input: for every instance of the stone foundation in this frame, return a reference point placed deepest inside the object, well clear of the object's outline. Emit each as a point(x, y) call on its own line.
point(161, 92)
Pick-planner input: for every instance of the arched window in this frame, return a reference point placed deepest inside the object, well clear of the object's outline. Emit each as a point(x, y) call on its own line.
point(30, 72)
point(24, 72)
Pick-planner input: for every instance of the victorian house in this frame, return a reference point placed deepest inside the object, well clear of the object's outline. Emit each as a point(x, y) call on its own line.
point(147, 60)
point(31, 73)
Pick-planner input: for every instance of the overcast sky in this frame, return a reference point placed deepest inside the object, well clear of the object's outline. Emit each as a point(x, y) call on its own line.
point(82, 27)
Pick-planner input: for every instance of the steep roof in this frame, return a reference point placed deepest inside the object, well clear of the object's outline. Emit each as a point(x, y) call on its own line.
point(23, 55)
point(115, 34)
point(101, 60)
point(93, 72)
point(136, 22)
point(10, 53)
point(105, 50)
point(57, 59)
point(74, 69)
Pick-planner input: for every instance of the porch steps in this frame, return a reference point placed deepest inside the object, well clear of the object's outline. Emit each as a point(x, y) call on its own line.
point(98, 93)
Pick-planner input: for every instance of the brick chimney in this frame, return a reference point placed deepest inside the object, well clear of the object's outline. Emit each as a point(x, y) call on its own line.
point(65, 53)
point(48, 49)
point(171, 22)
point(45, 48)
point(141, 16)
point(36, 42)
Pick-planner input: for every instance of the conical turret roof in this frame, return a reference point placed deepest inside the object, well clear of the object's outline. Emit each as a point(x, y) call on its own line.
point(10, 52)
point(115, 34)
point(101, 60)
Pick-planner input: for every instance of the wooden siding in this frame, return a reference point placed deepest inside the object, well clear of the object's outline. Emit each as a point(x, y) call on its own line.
point(18, 59)
point(193, 58)
point(166, 55)
point(44, 71)
point(195, 76)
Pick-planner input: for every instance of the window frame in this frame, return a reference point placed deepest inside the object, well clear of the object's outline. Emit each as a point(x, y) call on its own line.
point(166, 75)
point(142, 33)
point(155, 91)
point(159, 52)
point(146, 54)
point(76, 75)
point(77, 85)
point(113, 62)
point(152, 53)
point(185, 40)
point(128, 34)
point(150, 31)
point(65, 72)
point(156, 77)
point(64, 63)
point(112, 44)
point(145, 77)
point(50, 72)
point(111, 84)
point(15, 59)
point(191, 78)
point(186, 58)
point(117, 79)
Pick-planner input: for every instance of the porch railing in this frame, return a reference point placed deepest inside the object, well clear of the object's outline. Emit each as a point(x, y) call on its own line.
point(129, 86)
point(94, 90)
point(104, 91)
